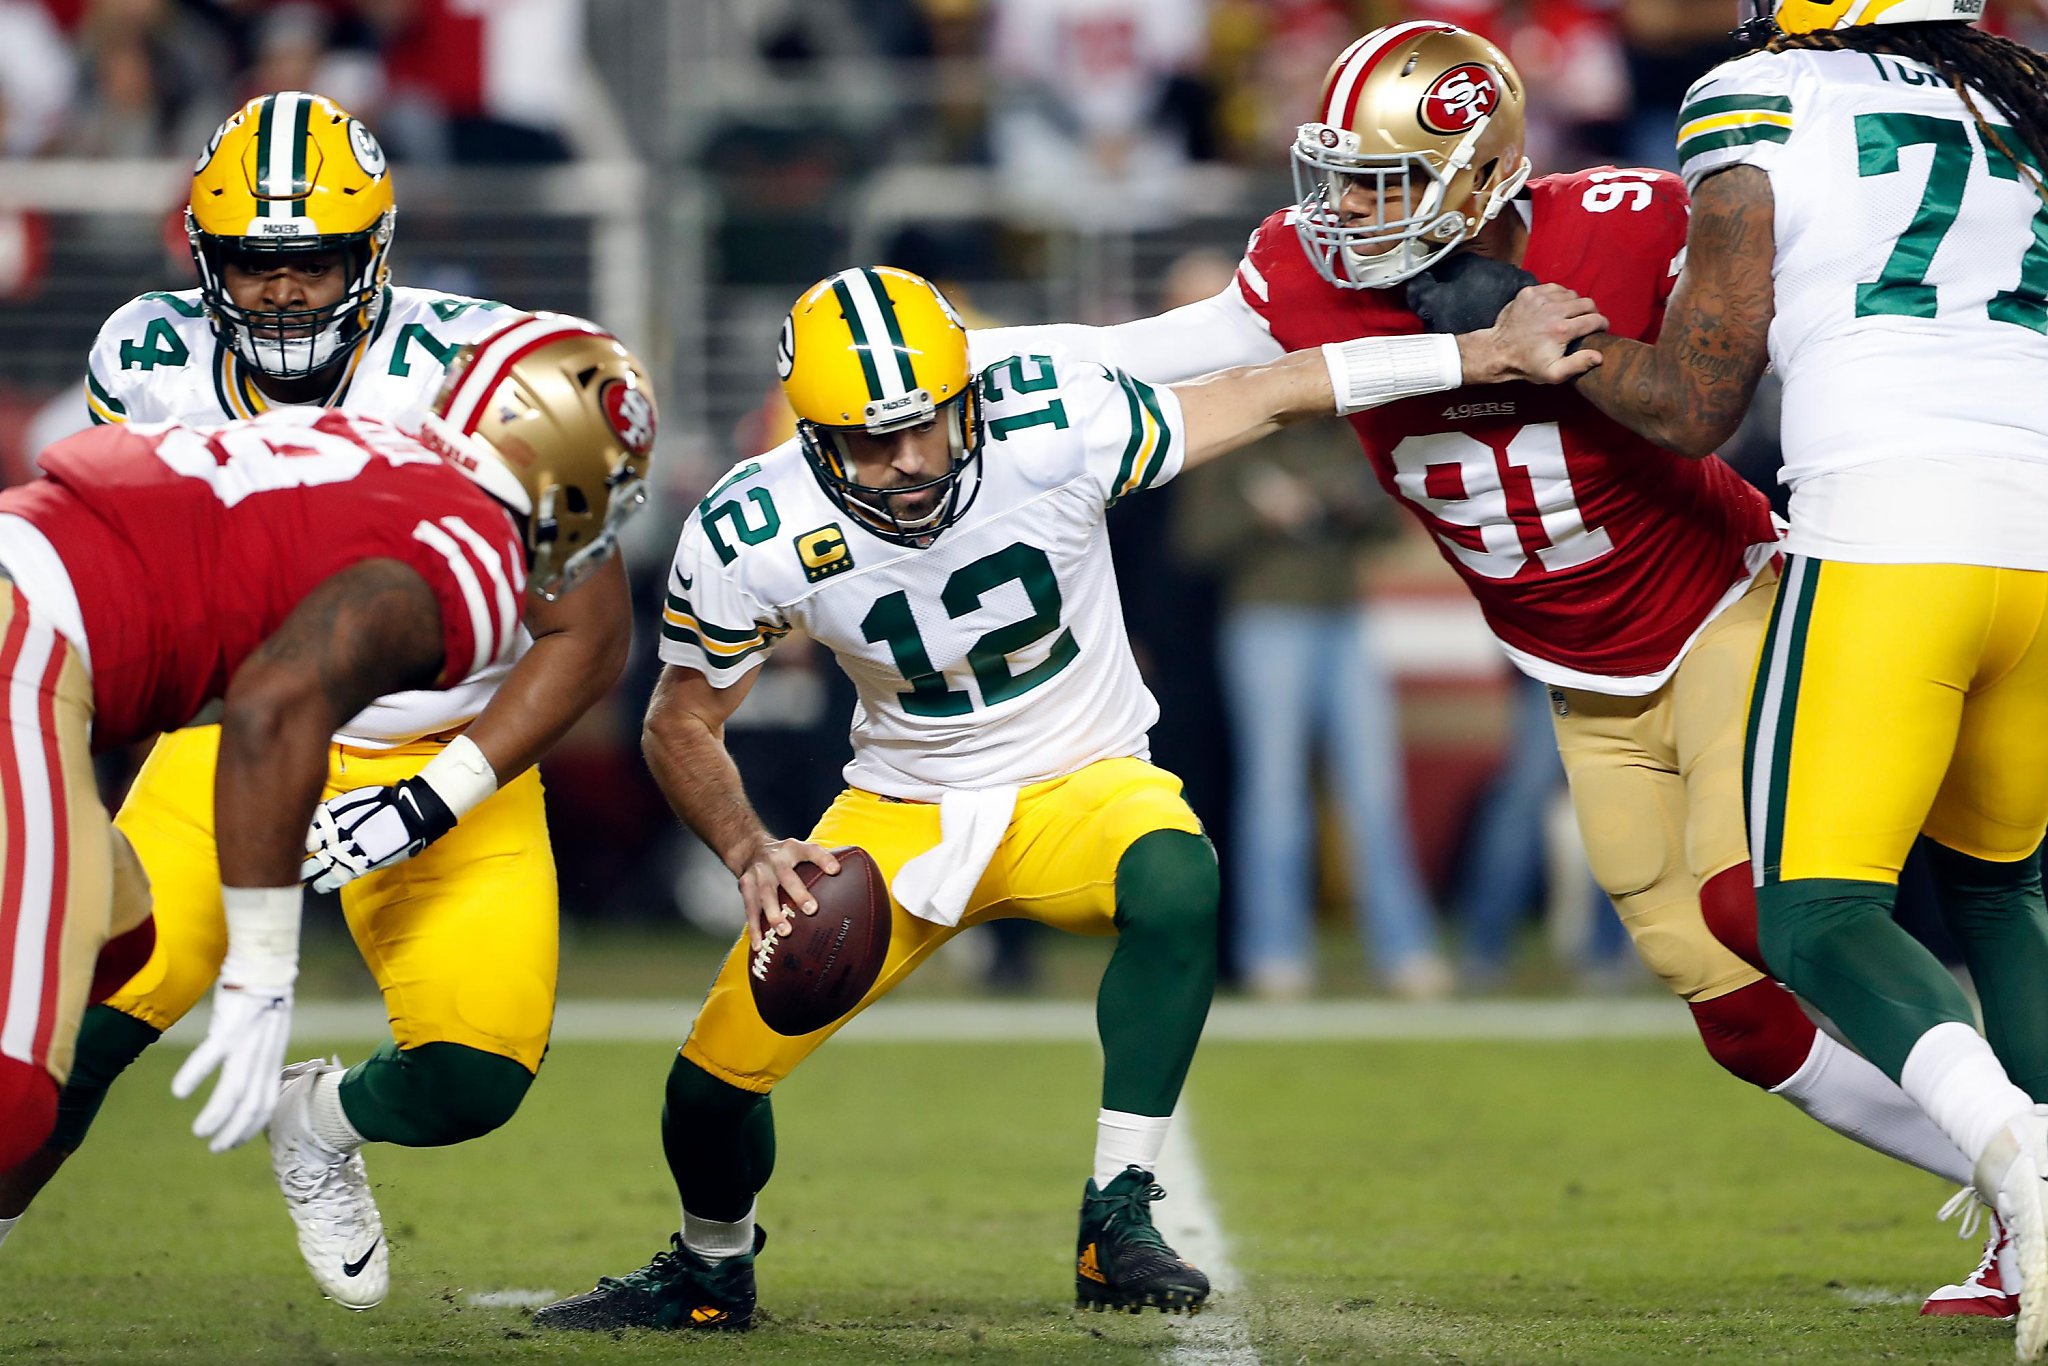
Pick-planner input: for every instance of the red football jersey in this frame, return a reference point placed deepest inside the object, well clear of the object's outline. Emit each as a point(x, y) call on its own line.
point(1594, 554)
point(188, 547)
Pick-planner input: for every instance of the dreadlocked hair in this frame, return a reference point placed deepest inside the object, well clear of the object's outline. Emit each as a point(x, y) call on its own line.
point(2011, 75)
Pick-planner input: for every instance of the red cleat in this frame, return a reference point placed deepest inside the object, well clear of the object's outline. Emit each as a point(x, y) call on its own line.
point(1984, 1293)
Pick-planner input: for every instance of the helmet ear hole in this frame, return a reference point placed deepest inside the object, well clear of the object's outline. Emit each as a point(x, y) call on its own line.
point(572, 497)
point(1484, 180)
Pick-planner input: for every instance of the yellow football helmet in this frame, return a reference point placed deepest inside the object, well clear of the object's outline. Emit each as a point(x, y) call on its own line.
point(292, 174)
point(554, 417)
point(1813, 16)
point(877, 350)
point(1427, 119)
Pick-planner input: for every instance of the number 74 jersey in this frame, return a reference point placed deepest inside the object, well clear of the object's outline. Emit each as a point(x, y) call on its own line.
point(994, 656)
point(1596, 556)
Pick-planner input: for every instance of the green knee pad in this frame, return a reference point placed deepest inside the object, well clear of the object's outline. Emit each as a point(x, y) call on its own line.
point(107, 1042)
point(433, 1095)
point(719, 1141)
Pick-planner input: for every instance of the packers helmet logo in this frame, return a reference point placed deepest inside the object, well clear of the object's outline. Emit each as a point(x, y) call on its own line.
point(369, 153)
point(630, 414)
point(1459, 98)
point(785, 349)
point(824, 552)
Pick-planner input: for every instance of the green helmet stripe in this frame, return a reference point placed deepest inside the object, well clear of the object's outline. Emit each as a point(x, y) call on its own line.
point(895, 326)
point(302, 132)
point(264, 124)
point(861, 346)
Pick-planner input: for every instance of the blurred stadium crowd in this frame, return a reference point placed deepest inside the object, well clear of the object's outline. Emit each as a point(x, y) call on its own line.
point(680, 170)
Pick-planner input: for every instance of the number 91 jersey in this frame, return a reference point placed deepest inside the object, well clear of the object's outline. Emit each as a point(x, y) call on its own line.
point(1596, 556)
point(1912, 303)
point(994, 656)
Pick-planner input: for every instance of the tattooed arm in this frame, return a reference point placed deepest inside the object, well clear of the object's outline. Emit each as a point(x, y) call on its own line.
point(372, 629)
point(1691, 388)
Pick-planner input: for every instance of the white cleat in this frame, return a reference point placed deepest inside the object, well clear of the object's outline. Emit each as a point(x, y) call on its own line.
point(341, 1235)
point(2015, 1167)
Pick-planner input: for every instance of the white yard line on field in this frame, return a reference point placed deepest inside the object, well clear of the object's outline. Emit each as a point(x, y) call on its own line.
point(591, 1021)
point(512, 1299)
point(1188, 1220)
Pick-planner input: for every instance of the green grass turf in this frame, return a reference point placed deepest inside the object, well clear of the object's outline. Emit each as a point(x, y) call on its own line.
point(1596, 1202)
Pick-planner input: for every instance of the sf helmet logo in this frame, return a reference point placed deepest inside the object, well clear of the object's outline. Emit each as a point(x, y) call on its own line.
point(631, 415)
point(1460, 98)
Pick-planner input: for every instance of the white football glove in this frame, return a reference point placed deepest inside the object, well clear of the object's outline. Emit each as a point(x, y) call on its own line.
point(252, 1017)
point(369, 828)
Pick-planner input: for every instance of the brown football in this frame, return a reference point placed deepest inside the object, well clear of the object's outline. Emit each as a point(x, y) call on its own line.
point(810, 977)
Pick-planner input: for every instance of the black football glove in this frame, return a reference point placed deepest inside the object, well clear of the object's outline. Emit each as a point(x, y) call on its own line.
point(1465, 292)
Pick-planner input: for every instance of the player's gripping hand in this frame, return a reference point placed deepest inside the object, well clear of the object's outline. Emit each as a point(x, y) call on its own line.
point(1530, 340)
point(252, 1017)
point(767, 868)
point(371, 828)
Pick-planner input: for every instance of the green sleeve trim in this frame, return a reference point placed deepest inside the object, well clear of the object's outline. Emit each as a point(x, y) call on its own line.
point(1731, 137)
point(1730, 104)
point(1150, 396)
point(99, 391)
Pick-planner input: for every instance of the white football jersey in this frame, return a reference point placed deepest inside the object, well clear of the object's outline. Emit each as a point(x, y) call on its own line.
point(1912, 304)
point(157, 359)
point(994, 656)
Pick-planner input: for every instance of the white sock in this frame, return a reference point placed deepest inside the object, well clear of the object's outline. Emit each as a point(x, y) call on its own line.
point(327, 1119)
point(1845, 1091)
point(7, 1227)
point(1953, 1075)
point(1127, 1140)
point(714, 1241)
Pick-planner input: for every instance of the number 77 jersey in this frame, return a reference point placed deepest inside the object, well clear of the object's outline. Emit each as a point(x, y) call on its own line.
point(1595, 556)
point(994, 656)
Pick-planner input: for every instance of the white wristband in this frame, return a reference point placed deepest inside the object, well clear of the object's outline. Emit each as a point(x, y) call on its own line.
point(461, 776)
point(1370, 371)
point(263, 934)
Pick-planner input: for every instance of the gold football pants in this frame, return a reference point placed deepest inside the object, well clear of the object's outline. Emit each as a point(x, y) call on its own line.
point(462, 939)
point(68, 881)
point(1056, 865)
point(1656, 783)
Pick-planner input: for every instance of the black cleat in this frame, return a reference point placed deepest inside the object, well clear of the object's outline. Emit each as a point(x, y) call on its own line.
point(677, 1291)
point(1121, 1262)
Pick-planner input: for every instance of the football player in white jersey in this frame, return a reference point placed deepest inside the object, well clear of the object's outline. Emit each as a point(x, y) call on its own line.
point(291, 223)
point(1870, 217)
point(945, 538)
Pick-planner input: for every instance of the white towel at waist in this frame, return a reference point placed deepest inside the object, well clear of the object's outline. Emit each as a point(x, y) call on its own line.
point(935, 885)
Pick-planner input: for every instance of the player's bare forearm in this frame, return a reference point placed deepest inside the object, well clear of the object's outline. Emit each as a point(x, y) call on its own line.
point(1234, 408)
point(683, 738)
point(580, 643)
point(1690, 390)
point(373, 629)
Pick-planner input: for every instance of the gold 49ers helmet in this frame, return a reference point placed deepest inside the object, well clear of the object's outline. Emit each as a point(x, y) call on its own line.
point(879, 350)
point(555, 419)
point(1426, 120)
point(1812, 16)
point(291, 175)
